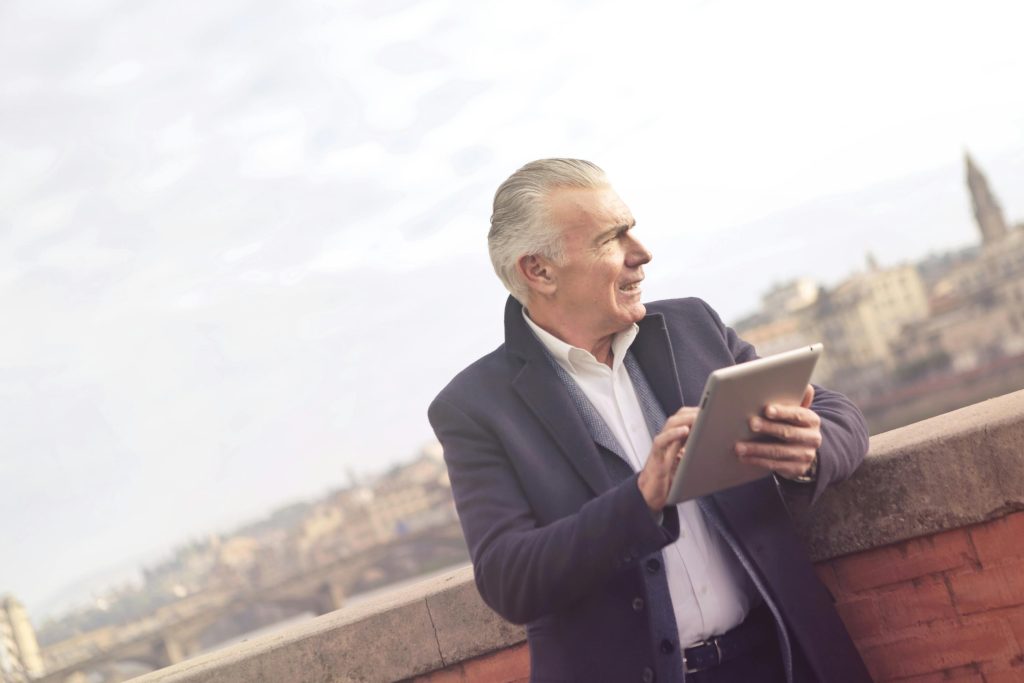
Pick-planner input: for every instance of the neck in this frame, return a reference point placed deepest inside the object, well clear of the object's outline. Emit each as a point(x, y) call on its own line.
point(600, 347)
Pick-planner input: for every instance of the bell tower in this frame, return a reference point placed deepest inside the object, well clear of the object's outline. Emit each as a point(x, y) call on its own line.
point(987, 212)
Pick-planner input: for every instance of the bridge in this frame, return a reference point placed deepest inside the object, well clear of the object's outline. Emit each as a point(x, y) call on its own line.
point(320, 590)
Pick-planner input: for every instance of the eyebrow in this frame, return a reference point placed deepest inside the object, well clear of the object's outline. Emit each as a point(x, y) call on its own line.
point(613, 231)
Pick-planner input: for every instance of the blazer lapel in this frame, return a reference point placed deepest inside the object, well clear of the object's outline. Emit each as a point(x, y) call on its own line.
point(545, 395)
point(549, 400)
point(653, 351)
point(595, 424)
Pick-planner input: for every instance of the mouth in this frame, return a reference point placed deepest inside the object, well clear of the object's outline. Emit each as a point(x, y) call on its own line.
point(630, 287)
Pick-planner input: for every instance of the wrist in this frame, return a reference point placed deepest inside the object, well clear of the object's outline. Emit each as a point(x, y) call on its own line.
point(650, 498)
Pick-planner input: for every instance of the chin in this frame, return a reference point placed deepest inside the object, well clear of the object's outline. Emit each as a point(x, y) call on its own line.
point(633, 313)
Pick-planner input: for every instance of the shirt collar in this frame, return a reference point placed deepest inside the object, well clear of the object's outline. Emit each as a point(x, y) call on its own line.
point(570, 357)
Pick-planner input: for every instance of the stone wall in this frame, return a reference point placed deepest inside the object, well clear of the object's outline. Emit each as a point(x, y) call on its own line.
point(923, 549)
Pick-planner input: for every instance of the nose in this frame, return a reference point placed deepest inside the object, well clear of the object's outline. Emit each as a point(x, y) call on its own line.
point(637, 255)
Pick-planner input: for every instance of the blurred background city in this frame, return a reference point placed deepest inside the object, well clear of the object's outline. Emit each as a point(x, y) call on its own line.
point(242, 245)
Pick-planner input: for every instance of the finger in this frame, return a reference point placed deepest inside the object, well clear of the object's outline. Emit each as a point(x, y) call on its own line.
point(680, 419)
point(786, 469)
point(798, 415)
point(808, 398)
point(789, 433)
point(687, 409)
point(666, 437)
point(775, 451)
point(683, 414)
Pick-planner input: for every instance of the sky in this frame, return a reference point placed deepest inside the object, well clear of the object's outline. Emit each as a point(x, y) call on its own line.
point(243, 244)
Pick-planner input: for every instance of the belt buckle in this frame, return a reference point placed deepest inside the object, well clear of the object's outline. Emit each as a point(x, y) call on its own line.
point(702, 643)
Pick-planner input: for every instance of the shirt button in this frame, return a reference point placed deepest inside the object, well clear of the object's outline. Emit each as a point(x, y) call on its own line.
point(648, 676)
point(638, 604)
point(667, 647)
point(653, 565)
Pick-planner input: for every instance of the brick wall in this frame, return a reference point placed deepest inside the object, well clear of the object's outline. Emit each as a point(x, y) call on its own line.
point(946, 607)
point(505, 666)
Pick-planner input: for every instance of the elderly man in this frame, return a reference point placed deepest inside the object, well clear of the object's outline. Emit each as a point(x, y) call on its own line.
point(562, 443)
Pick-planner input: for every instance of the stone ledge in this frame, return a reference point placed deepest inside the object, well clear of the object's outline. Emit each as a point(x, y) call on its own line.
point(944, 473)
point(399, 634)
point(947, 472)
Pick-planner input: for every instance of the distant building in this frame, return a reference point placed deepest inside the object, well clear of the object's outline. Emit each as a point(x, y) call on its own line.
point(857, 321)
point(863, 317)
point(785, 322)
point(987, 212)
point(889, 325)
point(20, 660)
point(791, 296)
point(977, 305)
point(408, 498)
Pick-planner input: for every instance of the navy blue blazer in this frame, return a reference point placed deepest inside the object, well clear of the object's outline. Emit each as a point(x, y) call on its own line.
point(557, 544)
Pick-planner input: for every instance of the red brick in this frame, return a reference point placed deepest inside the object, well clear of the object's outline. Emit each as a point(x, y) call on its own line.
point(1008, 676)
point(948, 676)
point(904, 561)
point(999, 539)
point(860, 616)
point(1015, 617)
point(915, 603)
point(507, 666)
point(990, 588)
point(504, 666)
point(941, 648)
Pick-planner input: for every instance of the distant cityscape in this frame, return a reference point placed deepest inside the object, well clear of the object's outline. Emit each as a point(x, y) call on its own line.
point(305, 559)
point(915, 340)
point(905, 341)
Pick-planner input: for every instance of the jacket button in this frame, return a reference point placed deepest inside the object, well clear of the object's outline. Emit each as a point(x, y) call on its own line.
point(638, 604)
point(653, 565)
point(667, 647)
point(648, 676)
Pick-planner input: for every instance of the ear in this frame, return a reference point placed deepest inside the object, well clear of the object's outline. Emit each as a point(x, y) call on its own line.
point(539, 274)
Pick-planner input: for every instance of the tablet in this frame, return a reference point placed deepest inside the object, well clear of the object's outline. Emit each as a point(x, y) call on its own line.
point(731, 397)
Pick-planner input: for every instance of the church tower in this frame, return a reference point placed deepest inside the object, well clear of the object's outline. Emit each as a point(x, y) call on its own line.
point(987, 212)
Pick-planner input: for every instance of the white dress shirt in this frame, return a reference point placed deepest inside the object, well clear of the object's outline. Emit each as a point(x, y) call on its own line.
point(711, 593)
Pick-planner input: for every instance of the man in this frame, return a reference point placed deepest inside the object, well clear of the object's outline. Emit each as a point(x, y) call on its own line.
point(561, 446)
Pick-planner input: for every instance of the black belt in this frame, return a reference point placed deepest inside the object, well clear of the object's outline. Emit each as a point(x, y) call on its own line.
point(756, 630)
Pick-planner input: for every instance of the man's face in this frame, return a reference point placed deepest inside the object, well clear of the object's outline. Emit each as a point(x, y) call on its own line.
point(598, 285)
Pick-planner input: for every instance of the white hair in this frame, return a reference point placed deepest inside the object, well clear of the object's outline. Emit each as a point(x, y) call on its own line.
point(520, 225)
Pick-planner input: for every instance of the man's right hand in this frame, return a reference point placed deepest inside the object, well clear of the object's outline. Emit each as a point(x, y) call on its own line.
point(655, 479)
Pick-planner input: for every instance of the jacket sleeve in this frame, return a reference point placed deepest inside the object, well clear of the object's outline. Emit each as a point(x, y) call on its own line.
point(523, 570)
point(844, 433)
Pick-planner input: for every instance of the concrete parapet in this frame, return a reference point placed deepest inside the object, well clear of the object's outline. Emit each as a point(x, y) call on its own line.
point(951, 483)
point(425, 627)
point(946, 472)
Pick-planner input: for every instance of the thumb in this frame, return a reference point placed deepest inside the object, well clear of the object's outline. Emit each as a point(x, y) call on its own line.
point(808, 398)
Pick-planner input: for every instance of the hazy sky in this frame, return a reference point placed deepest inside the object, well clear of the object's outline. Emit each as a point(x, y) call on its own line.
point(242, 244)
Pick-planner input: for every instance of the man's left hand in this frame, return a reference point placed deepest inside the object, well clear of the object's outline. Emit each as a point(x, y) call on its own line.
point(797, 436)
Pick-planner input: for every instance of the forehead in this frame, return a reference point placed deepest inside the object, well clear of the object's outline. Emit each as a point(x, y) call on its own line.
point(586, 212)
